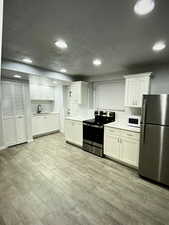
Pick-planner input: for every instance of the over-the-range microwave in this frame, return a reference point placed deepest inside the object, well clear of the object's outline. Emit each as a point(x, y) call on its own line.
point(134, 121)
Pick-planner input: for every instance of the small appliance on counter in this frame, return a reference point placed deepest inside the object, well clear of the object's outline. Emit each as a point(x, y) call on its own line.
point(93, 132)
point(134, 121)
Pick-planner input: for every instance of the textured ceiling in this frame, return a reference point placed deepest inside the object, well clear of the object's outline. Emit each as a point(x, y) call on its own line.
point(92, 28)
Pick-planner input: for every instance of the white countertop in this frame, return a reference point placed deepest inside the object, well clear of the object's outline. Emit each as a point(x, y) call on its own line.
point(44, 113)
point(78, 118)
point(123, 126)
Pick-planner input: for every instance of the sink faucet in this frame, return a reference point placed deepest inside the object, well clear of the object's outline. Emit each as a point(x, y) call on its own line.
point(39, 108)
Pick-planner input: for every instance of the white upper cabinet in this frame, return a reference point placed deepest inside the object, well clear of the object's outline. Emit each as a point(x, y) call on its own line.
point(79, 92)
point(41, 89)
point(136, 86)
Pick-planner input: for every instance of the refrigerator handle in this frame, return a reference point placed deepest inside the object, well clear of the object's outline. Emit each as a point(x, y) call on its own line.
point(143, 120)
point(144, 111)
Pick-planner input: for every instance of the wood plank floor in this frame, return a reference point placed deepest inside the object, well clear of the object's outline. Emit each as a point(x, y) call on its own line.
point(49, 182)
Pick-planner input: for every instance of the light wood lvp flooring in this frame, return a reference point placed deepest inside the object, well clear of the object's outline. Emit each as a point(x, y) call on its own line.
point(49, 182)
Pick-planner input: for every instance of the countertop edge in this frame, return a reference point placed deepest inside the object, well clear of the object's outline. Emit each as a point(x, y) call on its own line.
point(123, 128)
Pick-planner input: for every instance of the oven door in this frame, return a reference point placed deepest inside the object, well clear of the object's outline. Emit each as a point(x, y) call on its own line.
point(93, 134)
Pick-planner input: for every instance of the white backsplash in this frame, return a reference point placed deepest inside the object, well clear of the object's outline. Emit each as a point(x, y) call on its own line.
point(47, 107)
point(121, 116)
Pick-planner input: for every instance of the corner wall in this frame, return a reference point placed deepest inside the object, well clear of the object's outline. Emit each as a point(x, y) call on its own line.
point(1, 21)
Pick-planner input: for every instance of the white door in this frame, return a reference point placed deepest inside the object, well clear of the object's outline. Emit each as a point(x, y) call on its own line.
point(20, 113)
point(111, 146)
point(129, 151)
point(9, 131)
point(13, 113)
point(20, 129)
point(9, 126)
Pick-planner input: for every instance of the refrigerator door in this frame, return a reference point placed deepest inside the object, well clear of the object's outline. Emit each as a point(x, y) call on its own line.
point(154, 153)
point(155, 109)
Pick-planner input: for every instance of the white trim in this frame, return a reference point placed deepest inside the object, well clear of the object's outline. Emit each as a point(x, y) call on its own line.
point(148, 74)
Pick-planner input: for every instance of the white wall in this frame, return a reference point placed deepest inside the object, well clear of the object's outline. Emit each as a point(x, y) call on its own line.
point(59, 107)
point(1, 19)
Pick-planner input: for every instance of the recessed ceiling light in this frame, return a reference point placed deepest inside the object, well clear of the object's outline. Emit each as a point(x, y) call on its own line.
point(143, 7)
point(17, 76)
point(63, 70)
point(97, 62)
point(61, 44)
point(27, 60)
point(159, 46)
point(54, 82)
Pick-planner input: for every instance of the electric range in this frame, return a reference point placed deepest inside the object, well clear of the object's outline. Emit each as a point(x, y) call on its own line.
point(93, 132)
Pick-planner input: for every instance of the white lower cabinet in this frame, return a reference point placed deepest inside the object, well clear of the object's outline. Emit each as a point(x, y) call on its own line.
point(111, 146)
point(42, 124)
point(74, 132)
point(122, 145)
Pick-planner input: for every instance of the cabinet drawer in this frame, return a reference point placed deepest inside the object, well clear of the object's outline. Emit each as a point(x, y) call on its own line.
point(111, 131)
point(74, 122)
point(130, 134)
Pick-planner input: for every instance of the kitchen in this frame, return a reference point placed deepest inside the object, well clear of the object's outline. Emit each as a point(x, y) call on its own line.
point(84, 122)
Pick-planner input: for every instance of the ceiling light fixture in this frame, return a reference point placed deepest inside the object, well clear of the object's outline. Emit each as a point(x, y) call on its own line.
point(97, 62)
point(17, 76)
point(159, 46)
point(143, 7)
point(27, 60)
point(63, 70)
point(61, 44)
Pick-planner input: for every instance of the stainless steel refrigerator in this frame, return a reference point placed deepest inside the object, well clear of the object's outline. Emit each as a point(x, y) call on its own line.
point(154, 140)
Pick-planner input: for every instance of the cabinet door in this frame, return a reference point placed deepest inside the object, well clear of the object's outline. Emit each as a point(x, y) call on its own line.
point(142, 89)
point(129, 151)
point(20, 129)
point(9, 131)
point(37, 125)
point(77, 133)
point(34, 91)
point(131, 90)
point(50, 93)
point(51, 123)
point(111, 146)
point(74, 93)
point(68, 130)
point(54, 122)
point(135, 89)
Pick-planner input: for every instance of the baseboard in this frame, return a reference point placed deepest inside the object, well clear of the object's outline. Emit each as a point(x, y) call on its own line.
point(2, 148)
point(79, 146)
point(29, 141)
point(45, 134)
point(121, 162)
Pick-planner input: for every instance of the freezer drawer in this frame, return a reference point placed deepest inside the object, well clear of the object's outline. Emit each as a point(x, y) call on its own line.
point(154, 153)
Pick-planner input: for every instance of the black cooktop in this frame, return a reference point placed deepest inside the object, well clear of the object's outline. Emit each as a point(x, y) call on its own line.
point(98, 122)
